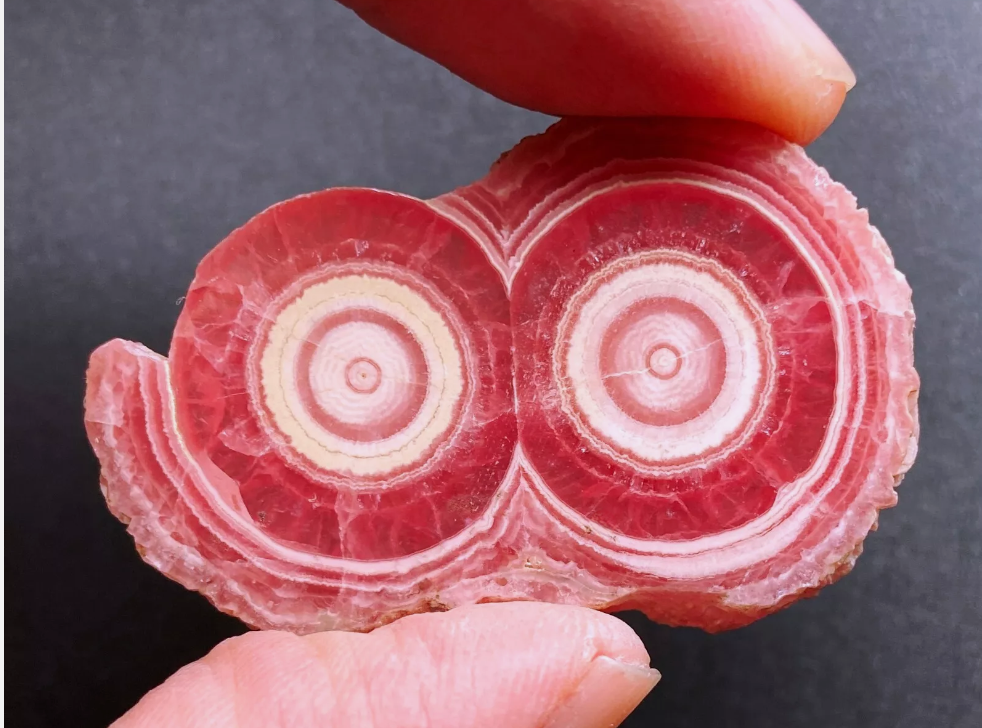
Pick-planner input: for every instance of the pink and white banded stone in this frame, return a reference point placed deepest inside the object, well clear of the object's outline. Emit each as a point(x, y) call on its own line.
point(663, 365)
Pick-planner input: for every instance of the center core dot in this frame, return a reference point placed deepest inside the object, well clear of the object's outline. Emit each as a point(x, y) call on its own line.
point(664, 361)
point(363, 375)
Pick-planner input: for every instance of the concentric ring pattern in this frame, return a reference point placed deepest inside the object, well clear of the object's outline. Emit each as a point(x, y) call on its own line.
point(342, 368)
point(663, 365)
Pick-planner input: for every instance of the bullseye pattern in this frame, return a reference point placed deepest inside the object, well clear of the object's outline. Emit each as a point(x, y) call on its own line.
point(362, 375)
point(663, 365)
point(361, 372)
point(349, 384)
point(663, 359)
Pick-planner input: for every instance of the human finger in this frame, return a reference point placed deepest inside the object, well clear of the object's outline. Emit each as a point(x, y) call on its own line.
point(763, 61)
point(521, 665)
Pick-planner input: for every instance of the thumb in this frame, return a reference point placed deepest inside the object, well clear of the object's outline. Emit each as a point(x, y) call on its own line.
point(521, 665)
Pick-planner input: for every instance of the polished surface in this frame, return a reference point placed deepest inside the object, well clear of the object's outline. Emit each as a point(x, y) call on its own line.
point(138, 136)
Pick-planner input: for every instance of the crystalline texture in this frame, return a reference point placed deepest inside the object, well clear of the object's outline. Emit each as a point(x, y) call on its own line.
point(656, 365)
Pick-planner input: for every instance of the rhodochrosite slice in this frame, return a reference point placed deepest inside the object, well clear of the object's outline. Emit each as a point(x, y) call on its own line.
point(663, 365)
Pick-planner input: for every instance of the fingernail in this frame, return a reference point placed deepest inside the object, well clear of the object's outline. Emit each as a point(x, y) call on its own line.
point(608, 693)
point(832, 65)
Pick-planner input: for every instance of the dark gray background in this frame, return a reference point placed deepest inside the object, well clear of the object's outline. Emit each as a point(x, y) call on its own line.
point(139, 133)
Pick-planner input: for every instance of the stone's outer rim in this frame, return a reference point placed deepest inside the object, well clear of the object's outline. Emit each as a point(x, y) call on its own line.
point(524, 554)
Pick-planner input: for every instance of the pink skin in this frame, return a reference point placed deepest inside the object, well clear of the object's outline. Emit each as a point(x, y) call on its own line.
point(523, 665)
point(757, 60)
point(517, 665)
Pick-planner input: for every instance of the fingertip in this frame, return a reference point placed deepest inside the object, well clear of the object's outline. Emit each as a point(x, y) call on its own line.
point(515, 664)
point(823, 100)
point(764, 61)
point(527, 664)
point(609, 691)
point(829, 63)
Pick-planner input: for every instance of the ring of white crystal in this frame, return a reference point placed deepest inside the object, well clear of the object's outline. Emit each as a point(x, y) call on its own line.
point(361, 373)
point(663, 361)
